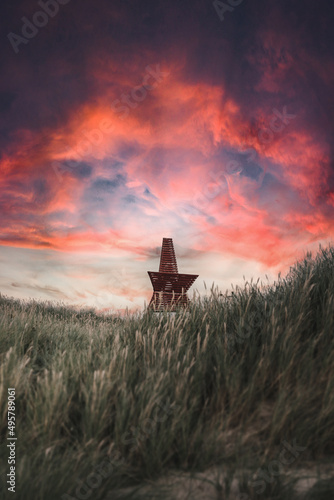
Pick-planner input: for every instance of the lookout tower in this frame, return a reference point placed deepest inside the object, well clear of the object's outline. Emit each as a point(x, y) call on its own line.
point(169, 286)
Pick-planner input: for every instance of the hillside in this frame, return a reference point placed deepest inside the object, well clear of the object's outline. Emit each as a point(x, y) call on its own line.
point(115, 402)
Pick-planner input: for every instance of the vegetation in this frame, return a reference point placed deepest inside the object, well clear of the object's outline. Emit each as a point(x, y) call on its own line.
point(114, 402)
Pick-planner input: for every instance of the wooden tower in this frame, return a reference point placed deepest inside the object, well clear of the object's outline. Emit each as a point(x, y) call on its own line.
point(169, 286)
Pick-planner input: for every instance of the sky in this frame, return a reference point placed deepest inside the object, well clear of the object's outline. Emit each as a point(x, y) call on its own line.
point(125, 122)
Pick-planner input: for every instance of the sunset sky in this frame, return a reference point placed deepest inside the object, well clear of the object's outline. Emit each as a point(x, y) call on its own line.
point(123, 122)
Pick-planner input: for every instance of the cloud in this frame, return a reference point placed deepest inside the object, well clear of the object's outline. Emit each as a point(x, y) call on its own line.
point(81, 174)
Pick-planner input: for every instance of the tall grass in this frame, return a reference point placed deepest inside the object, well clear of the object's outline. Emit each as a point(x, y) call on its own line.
point(230, 379)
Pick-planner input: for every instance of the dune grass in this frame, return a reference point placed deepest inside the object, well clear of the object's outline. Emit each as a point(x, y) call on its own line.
point(114, 401)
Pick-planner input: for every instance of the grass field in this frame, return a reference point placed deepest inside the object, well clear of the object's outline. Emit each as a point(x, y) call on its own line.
point(242, 382)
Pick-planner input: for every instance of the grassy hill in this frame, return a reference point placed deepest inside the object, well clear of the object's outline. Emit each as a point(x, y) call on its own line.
point(245, 382)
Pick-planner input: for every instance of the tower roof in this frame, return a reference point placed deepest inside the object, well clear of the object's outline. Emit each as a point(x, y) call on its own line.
point(167, 260)
point(169, 286)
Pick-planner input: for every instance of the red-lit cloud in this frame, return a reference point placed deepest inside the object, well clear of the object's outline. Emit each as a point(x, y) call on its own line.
point(117, 158)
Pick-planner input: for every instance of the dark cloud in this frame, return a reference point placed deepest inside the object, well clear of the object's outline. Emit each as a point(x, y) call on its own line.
point(6, 100)
point(51, 74)
point(263, 56)
point(130, 198)
point(108, 185)
point(252, 170)
point(82, 170)
point(47, 290)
